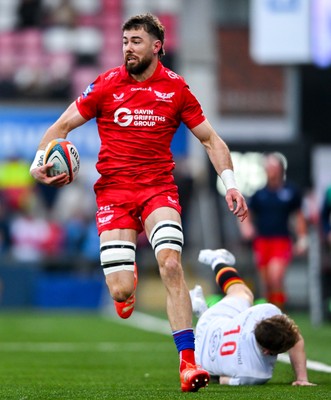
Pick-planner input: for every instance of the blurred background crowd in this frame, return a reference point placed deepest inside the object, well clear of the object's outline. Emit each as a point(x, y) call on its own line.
point(261, 69)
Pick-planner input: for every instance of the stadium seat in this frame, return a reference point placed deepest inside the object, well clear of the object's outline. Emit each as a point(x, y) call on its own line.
point(82, 77)
point(58, 39)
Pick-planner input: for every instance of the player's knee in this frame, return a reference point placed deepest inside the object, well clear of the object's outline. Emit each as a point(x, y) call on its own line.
point(117, 260)
point(120, 290)
point(170, 266)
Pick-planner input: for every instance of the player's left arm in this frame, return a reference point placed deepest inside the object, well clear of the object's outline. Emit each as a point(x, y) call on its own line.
point(220, 157)
point(299, 364)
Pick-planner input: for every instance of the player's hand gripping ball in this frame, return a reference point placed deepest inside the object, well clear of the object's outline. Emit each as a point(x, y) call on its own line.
point(64, 156)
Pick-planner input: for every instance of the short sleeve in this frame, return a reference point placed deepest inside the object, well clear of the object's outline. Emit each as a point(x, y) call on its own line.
point(192, 114)
point(87, 102)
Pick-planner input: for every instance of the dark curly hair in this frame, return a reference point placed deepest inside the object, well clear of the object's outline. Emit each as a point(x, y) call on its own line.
point(277, 334)
point(151, 24)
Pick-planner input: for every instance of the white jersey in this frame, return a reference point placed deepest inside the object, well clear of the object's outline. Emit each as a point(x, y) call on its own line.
point(226, 344)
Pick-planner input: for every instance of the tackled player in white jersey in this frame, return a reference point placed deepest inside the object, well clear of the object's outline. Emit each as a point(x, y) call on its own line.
point(236, 341)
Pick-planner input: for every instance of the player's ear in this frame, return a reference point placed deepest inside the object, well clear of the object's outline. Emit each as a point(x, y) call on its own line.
point(157, 46)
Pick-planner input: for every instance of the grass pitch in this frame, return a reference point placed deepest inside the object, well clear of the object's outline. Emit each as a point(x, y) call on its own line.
point(87, 356)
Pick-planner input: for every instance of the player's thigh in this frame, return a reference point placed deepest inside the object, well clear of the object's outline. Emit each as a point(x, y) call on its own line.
point(276, 271)
point(161, 214)
point(165, 234)
point(129, 235)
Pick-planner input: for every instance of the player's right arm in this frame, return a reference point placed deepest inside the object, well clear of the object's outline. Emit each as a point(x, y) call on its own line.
point(224, 380)
point(242, 380)
point(69, 120)
point(298, 361)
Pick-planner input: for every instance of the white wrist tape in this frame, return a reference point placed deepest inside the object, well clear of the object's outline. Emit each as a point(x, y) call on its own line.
point(38, 160)
point(228, 179)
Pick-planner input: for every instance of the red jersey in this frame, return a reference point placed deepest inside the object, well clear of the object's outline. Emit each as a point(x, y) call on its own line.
point(136, 123)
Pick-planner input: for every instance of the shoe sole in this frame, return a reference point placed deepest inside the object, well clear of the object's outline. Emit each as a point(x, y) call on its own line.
point(197, 382)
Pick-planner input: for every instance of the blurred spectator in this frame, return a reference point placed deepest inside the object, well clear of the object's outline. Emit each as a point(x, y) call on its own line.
point(29, 13)
point(60, 13)
point(30, 80)
point(5, 216)
point(7, 87)
point(59, 76)
point(34, 237)
point(75, 201)
point(90, 245)
point(184, 181)
point(75, 209)
point(326, 217)
point(274, 210)
point(48, 43)
point(16, 183)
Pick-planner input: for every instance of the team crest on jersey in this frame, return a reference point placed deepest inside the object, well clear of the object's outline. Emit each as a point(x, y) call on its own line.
point(164, 96)
point(118, 97)
point(214, 343)
point(88, 90)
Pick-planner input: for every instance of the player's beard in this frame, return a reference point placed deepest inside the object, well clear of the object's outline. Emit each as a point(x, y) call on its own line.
point(140, 67)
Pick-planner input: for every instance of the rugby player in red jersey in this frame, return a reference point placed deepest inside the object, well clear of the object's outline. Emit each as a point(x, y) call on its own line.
point(276, 227)
point(138, 108)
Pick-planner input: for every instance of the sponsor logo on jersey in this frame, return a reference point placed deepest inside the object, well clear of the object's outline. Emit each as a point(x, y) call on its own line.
point(88, 90)
point(138, 117)
point(105, 214)
point(123, 116)
point(105, 220)
point(171, 200)
point(172, 74)
point(164, 96)
point(105, 208)
point(118, 97)
point(134, 89)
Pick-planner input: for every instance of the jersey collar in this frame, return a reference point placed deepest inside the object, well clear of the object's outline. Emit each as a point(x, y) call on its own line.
point(129, 78)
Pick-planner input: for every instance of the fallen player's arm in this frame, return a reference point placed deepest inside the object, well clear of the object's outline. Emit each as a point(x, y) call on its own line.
point(242, 380)
point(298, 361)
point(224, 380)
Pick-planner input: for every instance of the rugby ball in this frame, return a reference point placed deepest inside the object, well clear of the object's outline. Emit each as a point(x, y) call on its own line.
point(64, 156)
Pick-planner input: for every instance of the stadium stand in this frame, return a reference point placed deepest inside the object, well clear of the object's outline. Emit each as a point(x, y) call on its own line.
point(51, 49)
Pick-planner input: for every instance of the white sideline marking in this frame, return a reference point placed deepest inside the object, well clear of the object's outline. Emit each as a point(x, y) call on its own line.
point(147, 323)
point(57, 347)
point(138, 320)
point(313, 365)
point(154, 324)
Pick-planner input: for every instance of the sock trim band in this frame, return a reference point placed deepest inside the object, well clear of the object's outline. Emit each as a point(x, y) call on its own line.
point(226, 277)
